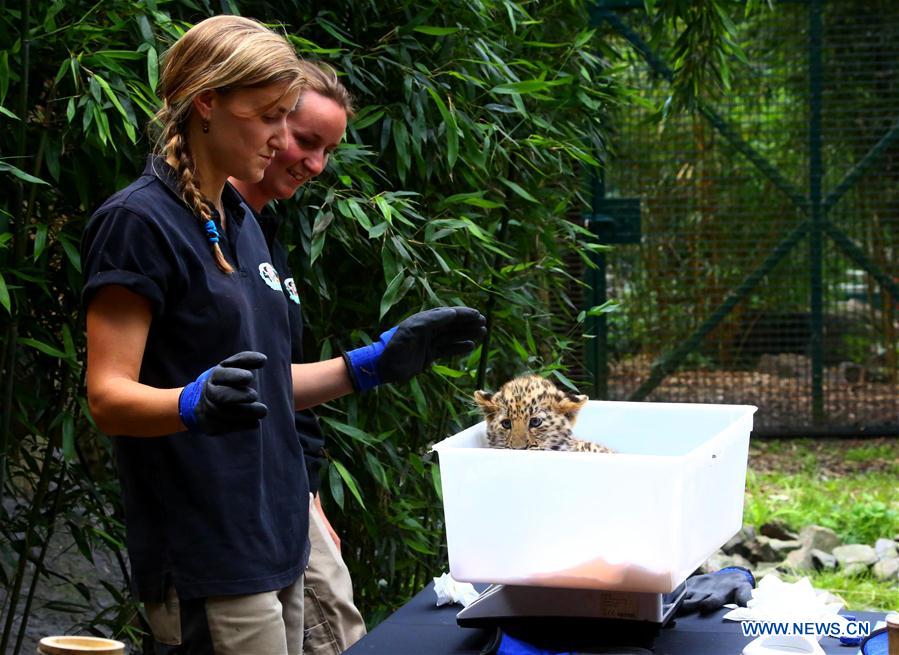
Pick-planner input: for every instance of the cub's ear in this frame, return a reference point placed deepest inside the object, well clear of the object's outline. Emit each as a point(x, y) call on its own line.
point(484, 399)
point(570, 404)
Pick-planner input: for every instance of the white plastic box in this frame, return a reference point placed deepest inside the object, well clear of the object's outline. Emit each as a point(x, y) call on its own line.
point(640, 519)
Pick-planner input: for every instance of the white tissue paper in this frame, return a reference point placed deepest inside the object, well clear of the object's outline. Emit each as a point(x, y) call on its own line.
point(450, 591)
point(776, 600)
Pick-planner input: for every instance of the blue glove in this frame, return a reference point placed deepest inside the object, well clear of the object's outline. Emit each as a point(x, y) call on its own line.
point(221, 399)
point(512, 646)
point(406, 350)
point(876, 643)
point(710, 592)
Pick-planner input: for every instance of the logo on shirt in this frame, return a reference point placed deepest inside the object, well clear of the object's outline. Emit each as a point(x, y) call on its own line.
point(270, 276)
point(291, 287)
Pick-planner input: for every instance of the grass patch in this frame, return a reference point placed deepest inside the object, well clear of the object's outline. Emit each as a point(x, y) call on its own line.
point(860, 508)
point(847, 486)
point(861, 593)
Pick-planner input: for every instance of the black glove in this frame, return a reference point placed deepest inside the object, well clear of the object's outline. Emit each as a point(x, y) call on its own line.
point(712, 591)
point(403, 352)
point(221, 399)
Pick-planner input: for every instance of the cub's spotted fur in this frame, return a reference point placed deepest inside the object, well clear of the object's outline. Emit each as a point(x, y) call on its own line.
point(530, 412)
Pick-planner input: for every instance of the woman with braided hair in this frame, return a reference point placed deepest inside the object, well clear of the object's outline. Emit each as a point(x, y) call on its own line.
point(189, 355)
point(177, 280)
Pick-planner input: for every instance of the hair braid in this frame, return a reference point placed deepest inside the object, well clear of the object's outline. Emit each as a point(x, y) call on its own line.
point(176, 145)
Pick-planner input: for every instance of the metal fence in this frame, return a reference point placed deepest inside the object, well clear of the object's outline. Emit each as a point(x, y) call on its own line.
point(756, 240)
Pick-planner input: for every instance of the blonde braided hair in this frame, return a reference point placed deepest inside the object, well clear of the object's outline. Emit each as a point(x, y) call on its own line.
point(222, 53)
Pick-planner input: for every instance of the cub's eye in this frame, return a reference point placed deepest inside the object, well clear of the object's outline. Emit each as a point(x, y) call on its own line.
point(506, 423)
point(535, 422)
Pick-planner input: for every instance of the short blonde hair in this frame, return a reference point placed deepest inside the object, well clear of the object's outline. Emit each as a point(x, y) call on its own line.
point(322, 78)
point(221, 53)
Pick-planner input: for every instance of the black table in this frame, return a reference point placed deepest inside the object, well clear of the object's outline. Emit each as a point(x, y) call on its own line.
point(421, 628)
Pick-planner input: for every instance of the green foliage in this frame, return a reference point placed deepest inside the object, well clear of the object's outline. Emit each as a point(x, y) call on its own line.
point(704, 46)
point(859, 504)
point(861, 593)
point(861, 508)
point(476, 123)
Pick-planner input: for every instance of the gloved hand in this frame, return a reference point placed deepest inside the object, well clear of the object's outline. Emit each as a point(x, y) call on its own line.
point(709, 592)
point(406, 350)
point(221, 399)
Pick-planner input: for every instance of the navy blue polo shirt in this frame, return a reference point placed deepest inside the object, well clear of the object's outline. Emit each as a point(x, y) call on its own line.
point(214, 515)
point(308, 428)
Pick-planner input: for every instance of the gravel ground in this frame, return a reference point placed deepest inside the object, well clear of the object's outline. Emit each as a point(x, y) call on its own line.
point(783, 396)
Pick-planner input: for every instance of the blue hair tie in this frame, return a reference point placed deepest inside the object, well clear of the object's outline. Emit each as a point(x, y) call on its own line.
point(211, 232)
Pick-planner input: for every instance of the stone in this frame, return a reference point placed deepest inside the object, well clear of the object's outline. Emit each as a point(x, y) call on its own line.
point(762, 569)
point(823, 561)
point(851, 372)
point(770, 550)
point(855, 554)
point(741, 543)
point(785, 365)
point(819, 537)
point(886, 549)
point(778, 530)
point(721, 560)
point(854, 569)
point(886, 569)
point(799, 560)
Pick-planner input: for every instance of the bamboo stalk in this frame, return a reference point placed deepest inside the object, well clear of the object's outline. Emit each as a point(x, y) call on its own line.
point(37, 502)
point(18, 251)
point(39, 564)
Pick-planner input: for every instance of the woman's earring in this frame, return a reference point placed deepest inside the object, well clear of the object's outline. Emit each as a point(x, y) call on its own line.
point(205, 126)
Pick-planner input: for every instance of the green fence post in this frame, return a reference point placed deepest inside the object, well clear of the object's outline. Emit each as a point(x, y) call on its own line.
point(598, 356)
point(816, 232)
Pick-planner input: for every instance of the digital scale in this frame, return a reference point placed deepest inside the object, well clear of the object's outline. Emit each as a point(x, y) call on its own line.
point(632, 525)
point(574, 618)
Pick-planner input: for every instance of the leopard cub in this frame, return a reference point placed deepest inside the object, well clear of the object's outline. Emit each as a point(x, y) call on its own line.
point(530, 412)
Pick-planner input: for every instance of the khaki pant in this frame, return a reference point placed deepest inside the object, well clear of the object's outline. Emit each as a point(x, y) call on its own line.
point(270, 623)
point(332, 622)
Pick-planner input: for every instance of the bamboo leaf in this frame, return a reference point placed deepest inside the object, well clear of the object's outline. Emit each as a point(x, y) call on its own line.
point(68, 439)
point(519, 190)
point(392, 293)
point(111, 95)
point(335, 485)
point(129, 55)
point(4, 75)
point(45, 348)
point(384, 206)
point(365, 118)
point(4, 295)
point(152, 68)
point(22, 175)
point(350, 482)
point(452, 134)
point(349, 430)
point(436, 480)
point(40, 240)
point(377, 470)
point(71, 252)
point(418, 546)
point(433, 30)
point(403, 153)
point(446, 371)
